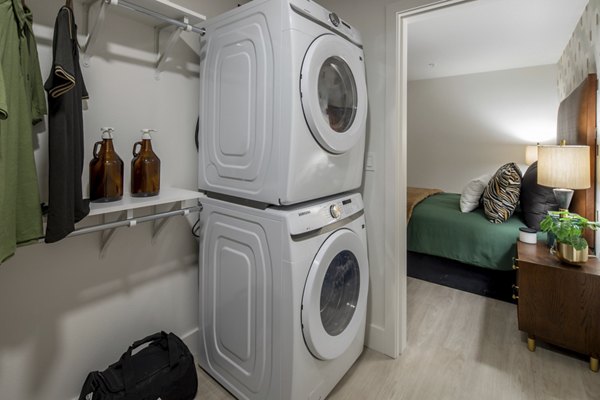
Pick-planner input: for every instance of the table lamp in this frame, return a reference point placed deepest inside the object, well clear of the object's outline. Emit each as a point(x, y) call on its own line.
point(531, 154)
point(564, 168)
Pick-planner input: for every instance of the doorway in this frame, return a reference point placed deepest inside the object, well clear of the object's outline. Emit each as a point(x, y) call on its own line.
point(399, 16)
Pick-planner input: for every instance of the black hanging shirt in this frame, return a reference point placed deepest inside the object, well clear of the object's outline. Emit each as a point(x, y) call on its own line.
point(66, 90)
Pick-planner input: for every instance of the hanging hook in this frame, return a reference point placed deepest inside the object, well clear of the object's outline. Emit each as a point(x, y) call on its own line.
point(69, 3)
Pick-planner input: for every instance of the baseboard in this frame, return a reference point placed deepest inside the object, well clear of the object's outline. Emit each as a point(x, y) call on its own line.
point(191, 340)
point(375, 338)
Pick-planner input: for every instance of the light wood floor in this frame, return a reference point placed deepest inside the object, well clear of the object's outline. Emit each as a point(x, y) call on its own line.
point(461, 346)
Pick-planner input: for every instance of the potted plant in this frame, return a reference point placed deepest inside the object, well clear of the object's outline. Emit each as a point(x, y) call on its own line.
point(568, 228)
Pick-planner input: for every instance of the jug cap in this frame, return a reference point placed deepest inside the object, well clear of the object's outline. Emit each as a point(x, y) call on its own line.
point(146, 133)
point(107, 132)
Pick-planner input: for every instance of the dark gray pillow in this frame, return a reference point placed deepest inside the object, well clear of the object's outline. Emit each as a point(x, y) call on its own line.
point(536, 200)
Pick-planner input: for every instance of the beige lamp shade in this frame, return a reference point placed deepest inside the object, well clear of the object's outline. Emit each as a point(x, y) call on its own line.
point(565, 167)
point(531, 154)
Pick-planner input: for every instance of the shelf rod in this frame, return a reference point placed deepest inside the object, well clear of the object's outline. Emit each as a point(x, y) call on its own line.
point(154, 14)
point(134, 221)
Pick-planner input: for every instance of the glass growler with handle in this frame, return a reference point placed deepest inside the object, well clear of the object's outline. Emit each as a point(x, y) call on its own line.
point(106, 170)
point(145, 167)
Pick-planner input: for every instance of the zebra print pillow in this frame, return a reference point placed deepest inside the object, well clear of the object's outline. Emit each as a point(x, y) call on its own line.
point(501, 195)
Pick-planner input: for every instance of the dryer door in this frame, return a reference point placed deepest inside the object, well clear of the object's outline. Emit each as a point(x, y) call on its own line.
point(335, 295)
point(334, 93)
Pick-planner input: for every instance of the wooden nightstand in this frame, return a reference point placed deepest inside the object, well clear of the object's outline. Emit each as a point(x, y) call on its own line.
point(558, 303)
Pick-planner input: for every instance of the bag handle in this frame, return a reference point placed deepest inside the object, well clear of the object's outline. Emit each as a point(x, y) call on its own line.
point(150, 338)
point(128, 371)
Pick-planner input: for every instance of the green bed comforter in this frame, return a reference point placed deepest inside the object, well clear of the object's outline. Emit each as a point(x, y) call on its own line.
point(438, 227)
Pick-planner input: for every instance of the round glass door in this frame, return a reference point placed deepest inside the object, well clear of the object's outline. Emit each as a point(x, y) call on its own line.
point(335, 295)
point(334, 93)
point(339, 293)
point(337, 94)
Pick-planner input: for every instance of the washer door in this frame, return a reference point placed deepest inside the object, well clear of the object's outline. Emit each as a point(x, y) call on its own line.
point(335, 295)
point(334, 93)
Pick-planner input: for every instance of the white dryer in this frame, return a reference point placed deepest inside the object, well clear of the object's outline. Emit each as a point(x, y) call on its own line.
point(283, 103)
point(283, 296)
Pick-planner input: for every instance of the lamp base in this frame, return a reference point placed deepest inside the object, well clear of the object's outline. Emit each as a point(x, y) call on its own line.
point(563, 197)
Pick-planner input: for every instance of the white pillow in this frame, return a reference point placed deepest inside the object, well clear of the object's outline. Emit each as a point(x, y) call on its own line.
point(469, 198)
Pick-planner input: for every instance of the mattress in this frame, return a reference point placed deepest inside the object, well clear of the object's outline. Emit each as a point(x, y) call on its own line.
point(438, 227)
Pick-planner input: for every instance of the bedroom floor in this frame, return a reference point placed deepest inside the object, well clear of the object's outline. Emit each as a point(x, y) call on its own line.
point(460, 346)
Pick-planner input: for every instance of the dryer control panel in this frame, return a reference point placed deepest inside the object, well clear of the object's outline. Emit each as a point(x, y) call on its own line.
point(318, 215)
point(330, 20)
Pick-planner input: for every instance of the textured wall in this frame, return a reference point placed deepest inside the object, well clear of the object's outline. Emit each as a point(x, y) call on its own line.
point(582, 53)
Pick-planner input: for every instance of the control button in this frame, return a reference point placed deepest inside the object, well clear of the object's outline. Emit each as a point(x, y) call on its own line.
point(335, 210)
point(335, 20)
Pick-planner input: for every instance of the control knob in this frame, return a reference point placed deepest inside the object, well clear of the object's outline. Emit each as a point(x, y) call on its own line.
point(335, 210)
point(335, 20)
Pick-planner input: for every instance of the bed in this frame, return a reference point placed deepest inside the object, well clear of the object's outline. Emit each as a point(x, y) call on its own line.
point(437, 227)
point(441, 239)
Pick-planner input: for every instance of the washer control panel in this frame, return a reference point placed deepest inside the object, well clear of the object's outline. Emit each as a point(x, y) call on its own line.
point(318, 215)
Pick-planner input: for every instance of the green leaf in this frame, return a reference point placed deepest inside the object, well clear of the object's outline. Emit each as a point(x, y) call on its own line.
point(568, 227)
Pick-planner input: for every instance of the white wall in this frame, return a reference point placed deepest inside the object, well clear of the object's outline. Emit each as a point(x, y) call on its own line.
point(464, 126)
point(63, 310)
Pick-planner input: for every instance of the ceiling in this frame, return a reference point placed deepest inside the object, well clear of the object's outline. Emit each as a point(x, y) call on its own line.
point(490, 35)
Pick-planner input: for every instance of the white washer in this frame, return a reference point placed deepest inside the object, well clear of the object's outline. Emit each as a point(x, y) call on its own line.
point(283, 295)
point(283, 103)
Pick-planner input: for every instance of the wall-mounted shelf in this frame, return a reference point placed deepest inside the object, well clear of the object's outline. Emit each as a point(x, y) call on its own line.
point(179, 199)
point(167, 195)
point(165, 11)
point(126, 206)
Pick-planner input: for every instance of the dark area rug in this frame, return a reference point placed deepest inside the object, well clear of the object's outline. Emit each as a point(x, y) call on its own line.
point(482, 281)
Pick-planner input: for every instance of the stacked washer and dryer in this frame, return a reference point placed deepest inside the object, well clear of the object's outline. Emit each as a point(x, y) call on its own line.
point(283, 257)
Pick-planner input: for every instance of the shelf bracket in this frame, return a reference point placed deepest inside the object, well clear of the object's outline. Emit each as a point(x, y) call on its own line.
point(163, 55)
point(107, 235)
point(92, 36)
point(96, 22)
point(159, 225)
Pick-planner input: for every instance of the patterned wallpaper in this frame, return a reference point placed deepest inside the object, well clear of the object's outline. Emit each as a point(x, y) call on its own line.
point(582, 53)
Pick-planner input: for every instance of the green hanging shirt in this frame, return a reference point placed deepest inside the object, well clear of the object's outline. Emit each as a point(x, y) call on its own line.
point(22, 104)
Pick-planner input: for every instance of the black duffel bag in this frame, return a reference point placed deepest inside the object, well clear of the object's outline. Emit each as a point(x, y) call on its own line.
point(163, 370)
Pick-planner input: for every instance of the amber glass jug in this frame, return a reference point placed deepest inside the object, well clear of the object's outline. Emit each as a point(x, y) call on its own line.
point(106, 170)
point(145, 168)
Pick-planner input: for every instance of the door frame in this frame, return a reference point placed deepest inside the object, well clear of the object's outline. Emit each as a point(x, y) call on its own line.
point(398, 17)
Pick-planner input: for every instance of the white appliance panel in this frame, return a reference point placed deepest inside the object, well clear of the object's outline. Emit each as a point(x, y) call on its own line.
point(319, 214)
point(235, 322)
point(234, 289)
point(237, 299)
point(256, 142)
point(332, 21)
point(238, 78)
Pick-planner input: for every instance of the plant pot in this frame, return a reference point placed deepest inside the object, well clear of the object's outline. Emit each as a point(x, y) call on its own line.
point(568, 254)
